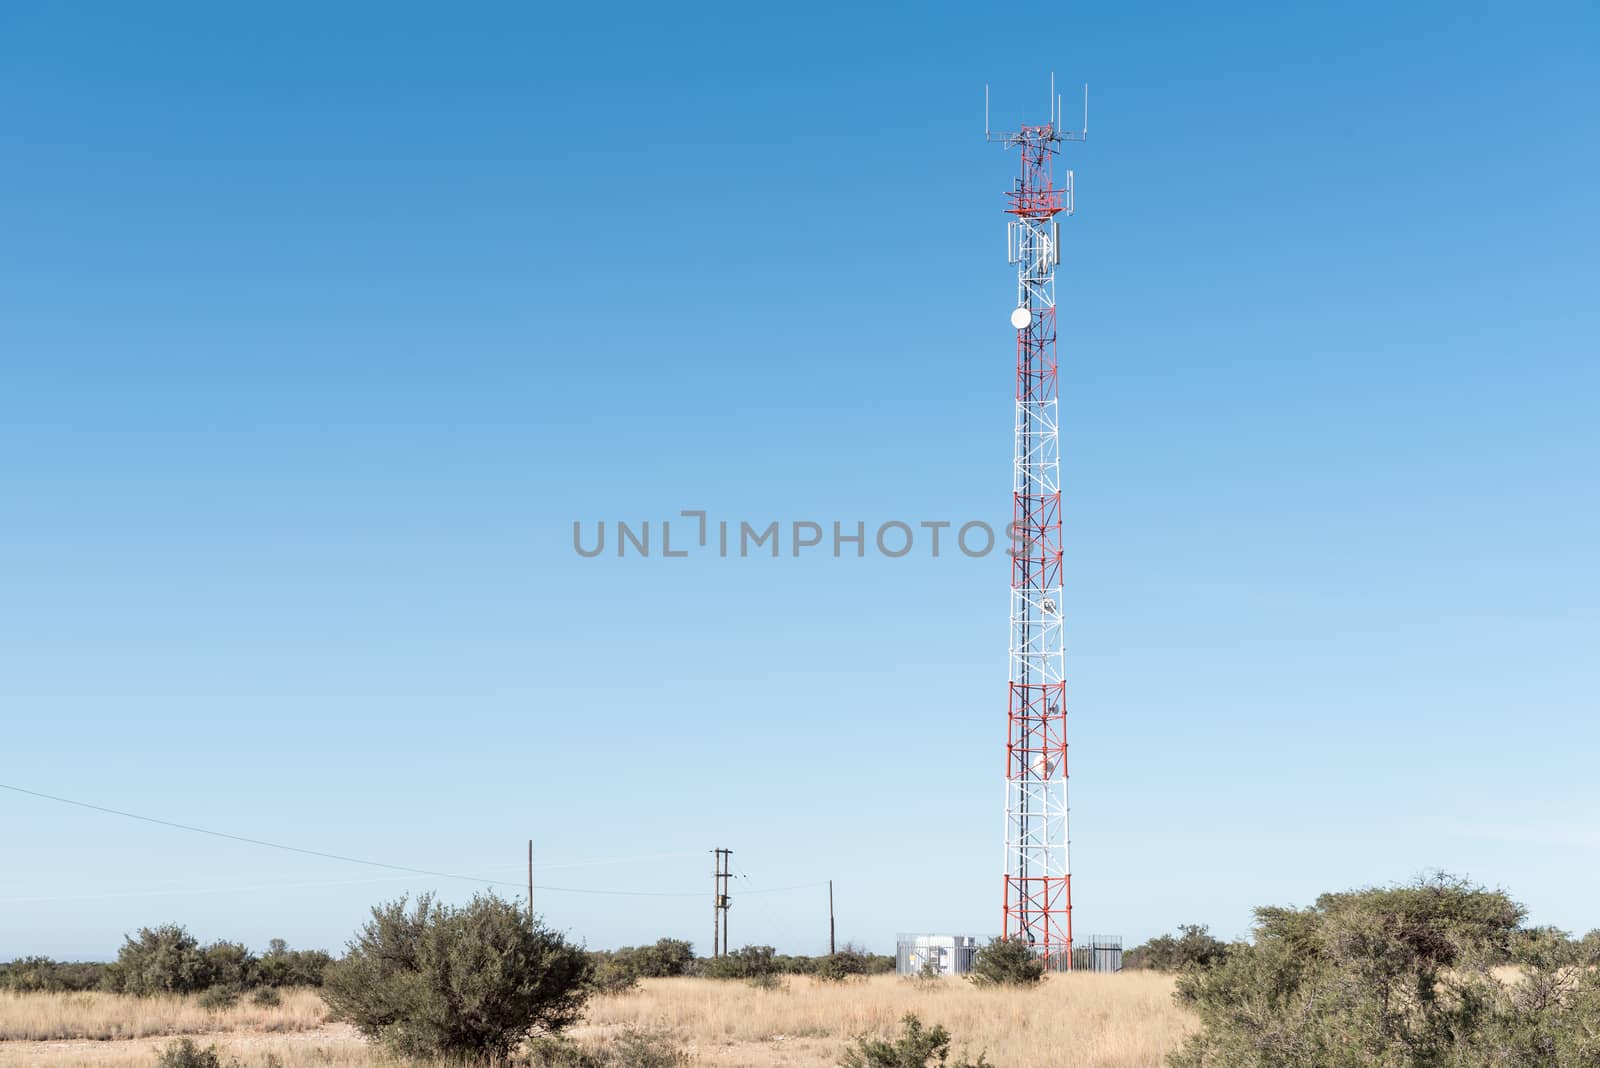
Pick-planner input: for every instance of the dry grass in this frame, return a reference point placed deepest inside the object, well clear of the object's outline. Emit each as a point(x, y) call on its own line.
point(1073, 1021)
point(332, 1047)
point(105, 1017)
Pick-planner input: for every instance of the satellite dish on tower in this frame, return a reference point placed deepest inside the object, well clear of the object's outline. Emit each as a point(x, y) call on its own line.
point(1021, 318)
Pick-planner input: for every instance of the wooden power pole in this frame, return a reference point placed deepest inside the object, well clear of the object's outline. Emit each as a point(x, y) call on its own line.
point(831, 947)
point(720, 900)
point(530, 880)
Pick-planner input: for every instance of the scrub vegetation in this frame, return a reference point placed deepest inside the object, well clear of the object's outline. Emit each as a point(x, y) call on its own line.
point(1434, 973)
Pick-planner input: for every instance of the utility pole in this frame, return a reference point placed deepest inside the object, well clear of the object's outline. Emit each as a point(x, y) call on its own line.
point(832, 949)
point(530, 880)
point(720, 901)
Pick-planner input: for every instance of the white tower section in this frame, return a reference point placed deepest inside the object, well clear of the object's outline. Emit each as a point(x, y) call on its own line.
point(1038, 888)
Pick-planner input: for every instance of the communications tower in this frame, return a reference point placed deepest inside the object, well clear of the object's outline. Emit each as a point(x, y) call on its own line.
point(1038, 880)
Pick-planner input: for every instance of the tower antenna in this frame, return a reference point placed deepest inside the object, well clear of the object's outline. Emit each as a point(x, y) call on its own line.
point(1037, 900)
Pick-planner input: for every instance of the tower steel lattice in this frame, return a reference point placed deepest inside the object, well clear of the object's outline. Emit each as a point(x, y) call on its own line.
point(1038, 879)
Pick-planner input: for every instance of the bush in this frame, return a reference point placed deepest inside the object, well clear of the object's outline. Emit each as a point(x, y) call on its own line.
point(282, 966)
point(1194, 947)
point(1006, 962)
point(464, 983)
point(611, 975)
point(169, 960)
point(880, 964)
point(29, 975)
point(557, 1053)
point(769, 981)
point(745, 962)
point(229, 964)
point(43, 975)
point(788, 964)
point(1400, 976)
point(185, 1054)
point(634, 1049)
point(851, 962)
point(219, 998)
point(915, 1048)
point(928, 977)
point(618, 971)
point(162, 960)
point(667, 958)
point(1550, 1015)
point(266, 997)
point(643, 1049)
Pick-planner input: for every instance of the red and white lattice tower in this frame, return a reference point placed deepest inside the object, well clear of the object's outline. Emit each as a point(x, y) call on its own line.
point(1038, 880)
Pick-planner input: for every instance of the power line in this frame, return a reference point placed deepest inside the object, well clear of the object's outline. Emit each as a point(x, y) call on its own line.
point(188, 891)
point(480, 880)
point(784, 889)
point(597, 862)
point(254, 841)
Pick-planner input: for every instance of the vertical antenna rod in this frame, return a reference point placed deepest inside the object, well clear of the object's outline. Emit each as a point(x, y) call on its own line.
point(1037, 899)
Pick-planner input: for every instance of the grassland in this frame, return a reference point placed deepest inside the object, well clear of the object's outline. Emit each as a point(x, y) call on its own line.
point(1073, 1021)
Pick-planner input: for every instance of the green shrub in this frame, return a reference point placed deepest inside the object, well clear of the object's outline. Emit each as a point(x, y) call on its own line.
point(787, 964)
point(1006, 962)
point(282, 966)
point(618, 971)
point(667, 958)
point(1193, 947)
point(793, 965)
point(467, 983)
point(611, 975)
point(185, 1054)
point(546, 1052)
point(1400, 977)
point(1549, 1015)
point(915, 1048)
point(769, 981)
point(219, 998)
point(43, 975)
point(880, 964)
point(633, 1049)
point(928, 977)
point(229, 964)
point(266, 997)
point(851, 962)
point(161, 960)
point(29, 975)
point(169, 960)
point(644, 1049)
point(745, 962)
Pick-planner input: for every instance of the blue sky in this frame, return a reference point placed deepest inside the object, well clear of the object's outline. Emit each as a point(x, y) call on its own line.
point(319, 328)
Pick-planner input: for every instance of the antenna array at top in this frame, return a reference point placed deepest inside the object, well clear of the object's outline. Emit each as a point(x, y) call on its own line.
point(1052, 131)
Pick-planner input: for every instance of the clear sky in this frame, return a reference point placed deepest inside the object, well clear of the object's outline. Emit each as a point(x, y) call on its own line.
point(320, 325)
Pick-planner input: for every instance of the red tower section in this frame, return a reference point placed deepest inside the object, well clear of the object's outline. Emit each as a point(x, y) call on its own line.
point(1038, 888)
